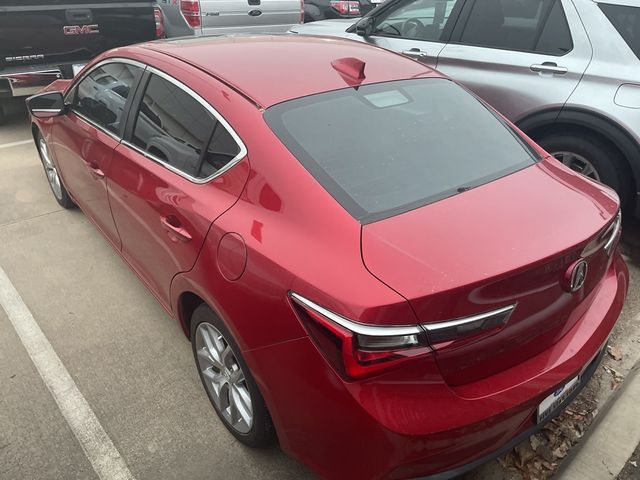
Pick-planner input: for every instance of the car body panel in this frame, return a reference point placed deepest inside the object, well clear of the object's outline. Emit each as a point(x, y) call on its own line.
point(82, 150)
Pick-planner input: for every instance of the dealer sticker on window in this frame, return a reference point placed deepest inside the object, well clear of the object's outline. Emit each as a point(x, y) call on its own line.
point(557, 398)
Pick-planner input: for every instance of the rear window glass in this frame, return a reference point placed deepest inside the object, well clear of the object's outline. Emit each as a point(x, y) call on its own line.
point(388, 148)
point(627, 22)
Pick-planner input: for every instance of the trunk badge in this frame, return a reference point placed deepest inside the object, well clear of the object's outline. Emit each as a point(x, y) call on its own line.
point(576, 276)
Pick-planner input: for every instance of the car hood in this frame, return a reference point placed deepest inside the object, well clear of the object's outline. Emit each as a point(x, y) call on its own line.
point(510, 242)
point(334, 28)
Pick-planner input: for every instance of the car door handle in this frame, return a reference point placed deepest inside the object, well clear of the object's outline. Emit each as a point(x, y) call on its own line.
point(549, 67)
point(415, 52)
point(95, 171)
point(174, 229)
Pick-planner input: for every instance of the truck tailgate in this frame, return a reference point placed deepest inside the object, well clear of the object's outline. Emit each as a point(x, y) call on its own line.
point(249, 15)
point(39, 32)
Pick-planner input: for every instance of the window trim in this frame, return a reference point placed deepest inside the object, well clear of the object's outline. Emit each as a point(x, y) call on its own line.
point(456, 36)
point(135, 109)
point(125, 115)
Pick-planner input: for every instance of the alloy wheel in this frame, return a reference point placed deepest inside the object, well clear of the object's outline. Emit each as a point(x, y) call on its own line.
point(50, 169)
point(578, 163)
point(223, 378)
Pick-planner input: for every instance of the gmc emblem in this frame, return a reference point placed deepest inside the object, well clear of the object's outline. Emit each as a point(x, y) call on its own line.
point(81, 29)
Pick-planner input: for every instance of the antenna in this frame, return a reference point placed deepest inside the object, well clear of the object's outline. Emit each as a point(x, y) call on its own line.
point(350, 69)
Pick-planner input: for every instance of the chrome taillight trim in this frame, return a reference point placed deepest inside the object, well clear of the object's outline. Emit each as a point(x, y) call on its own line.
point(359, 328)
point(613, 235)
point(505, 312)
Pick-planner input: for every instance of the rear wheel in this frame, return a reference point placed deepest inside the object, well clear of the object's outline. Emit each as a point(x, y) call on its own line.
point(1, 111)
point(228, 381)
point(53, 177)
point(592, 158)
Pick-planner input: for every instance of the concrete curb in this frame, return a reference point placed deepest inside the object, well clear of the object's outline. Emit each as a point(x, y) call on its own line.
point(611, 439)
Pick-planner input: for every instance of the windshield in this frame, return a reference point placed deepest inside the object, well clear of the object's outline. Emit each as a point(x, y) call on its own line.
point(388, 148)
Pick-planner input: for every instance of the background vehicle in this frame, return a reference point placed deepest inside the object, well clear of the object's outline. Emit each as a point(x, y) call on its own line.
point(41, 41)
point(315, 10)
point(217, 17)
point(565, 71)
point(368, 257)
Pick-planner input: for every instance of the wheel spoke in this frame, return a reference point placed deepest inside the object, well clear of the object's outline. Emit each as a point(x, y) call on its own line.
point(205, 357)
point(226, 356)
point(242, 402)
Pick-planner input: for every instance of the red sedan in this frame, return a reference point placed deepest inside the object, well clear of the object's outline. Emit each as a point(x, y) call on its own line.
point(369, 261)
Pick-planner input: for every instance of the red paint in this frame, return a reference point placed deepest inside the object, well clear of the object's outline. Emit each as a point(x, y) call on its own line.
point(510, 241)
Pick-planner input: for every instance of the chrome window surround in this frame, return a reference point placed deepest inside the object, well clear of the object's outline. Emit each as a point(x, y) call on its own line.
point(243, 149)
point(377, 331)
point(81, 78)
point(241, 154)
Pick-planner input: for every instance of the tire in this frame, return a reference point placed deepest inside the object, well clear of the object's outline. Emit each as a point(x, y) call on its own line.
point(53, 177)
point(260, 432)
point(2, 117)
point(605, 161)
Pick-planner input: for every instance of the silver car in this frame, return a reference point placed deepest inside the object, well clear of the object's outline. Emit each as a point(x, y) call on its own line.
point(206, 17)
point(567, 72)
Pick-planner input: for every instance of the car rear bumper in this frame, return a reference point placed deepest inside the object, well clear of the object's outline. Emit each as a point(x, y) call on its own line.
point(409, 423)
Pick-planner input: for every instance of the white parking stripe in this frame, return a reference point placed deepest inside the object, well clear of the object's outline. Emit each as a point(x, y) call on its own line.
point(15, 144)
point(97, 446)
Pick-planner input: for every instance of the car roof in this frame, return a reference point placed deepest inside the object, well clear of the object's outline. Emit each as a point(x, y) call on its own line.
point(269, 69)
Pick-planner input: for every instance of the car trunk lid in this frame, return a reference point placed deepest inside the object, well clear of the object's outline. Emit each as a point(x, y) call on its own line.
point(511, 242)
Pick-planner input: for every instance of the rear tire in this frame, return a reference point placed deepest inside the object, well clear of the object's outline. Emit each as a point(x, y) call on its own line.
point(592, 157)
point(2, 117)
point(228, 381)
point(53, 177)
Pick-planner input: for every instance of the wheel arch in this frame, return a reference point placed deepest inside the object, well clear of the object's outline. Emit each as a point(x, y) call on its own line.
point(187, 303)
point(555, 120)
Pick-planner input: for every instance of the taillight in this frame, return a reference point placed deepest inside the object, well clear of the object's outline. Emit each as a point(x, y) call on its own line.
point(301, 11)
point(356, 350)
point(191, 11)
point(157, 13)
point(346, 7)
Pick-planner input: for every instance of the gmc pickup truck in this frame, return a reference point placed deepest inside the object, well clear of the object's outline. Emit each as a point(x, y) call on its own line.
point(44, 40)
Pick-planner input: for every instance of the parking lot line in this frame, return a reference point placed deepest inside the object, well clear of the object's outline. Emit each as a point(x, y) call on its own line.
point(96, 444)
point(15, 144)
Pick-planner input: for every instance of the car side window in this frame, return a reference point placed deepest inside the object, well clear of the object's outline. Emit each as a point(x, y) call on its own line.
point(102, 95)
point(538, 26)
point(179, 130)
point(416, 20)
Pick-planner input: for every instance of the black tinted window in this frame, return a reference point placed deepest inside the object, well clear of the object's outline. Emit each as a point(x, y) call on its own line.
point(416, 19)
point(391, 147)
point(627, 22)
point(526, 25)
point(175, 127)
point(101, 96)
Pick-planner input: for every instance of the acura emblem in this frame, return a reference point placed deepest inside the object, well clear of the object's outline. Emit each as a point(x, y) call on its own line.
point(576, 275)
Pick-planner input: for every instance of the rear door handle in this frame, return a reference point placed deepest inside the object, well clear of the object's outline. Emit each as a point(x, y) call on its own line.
point(549, 67)
point(174, 229)
point(95, 172)
point(415, 53)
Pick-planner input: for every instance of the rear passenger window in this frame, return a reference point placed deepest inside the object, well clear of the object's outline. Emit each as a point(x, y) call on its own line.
point(179, 130)
point(101, 96)
point(538, 26)
point(626, 20)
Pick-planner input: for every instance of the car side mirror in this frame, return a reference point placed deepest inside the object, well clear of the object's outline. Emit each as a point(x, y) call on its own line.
point(46, 105)
point(364, 27)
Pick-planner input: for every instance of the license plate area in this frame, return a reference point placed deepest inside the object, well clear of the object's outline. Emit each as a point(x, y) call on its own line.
point(557, 399)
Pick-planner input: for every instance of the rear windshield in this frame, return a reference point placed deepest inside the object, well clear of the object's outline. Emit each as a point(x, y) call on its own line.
point(627, 22)
point(388, 148)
